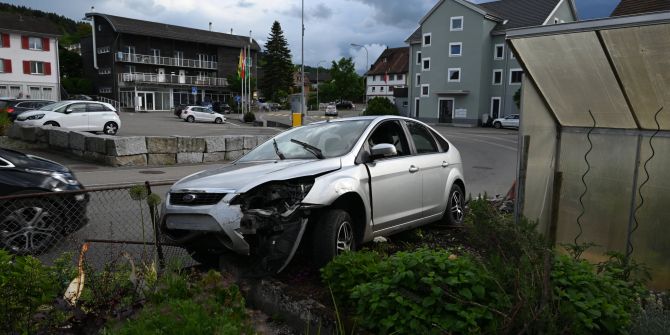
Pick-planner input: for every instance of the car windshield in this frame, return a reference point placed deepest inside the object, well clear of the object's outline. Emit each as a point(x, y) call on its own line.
point(53, 106)
point(333, 139)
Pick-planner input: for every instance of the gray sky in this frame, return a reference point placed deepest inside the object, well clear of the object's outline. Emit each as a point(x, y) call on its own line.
point(330, 25)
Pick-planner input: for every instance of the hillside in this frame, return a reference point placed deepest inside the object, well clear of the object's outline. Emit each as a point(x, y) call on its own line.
point(72, 30)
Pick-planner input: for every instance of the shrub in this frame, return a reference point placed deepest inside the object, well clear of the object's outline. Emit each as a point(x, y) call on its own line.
point(653, 318)
point(5, 122)
point(380, 106)
point(348, 270)
point(249, 117)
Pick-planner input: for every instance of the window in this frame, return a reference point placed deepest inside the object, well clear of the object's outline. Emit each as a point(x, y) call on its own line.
point(427, 39)
point(381, 88)
point(405, 103)
point(391, 88)
point(105, 90)
point(418, 79)
point(130, 49)
point(455, 49)
point(456, 23)
point(373, 89)
point(454, 75)
point(46, 94)
point(497, 77)
point(390, 132)
point(511, 55)
point(515, 76)
point(36, 68)
point(499, 52)
point(377, 78)
point(425, 90)
point(423, 140)
point(77, 108)
point(418, 58)
point(34, 92)
point(5, 65)
point(417, 104)
point(400, 77)
point(426, 64)
point(35, 43)
point(105, 70)
point(103, 50)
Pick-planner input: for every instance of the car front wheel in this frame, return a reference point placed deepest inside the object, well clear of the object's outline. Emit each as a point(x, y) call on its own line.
point(333, 235)
point(218, 120)
point(110, 128)
point(190, 119)
point(497, 125)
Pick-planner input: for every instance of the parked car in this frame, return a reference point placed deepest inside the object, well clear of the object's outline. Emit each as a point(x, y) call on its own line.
point(75, 115)
point(339, 183)
point(17, 106)
point(510, 121)
point(225, 108)
point(33, 225)
point(268, 106)
point(83, 97)
point(178, 109)
point(331, 110)
point(201, 114)
point(345, 105)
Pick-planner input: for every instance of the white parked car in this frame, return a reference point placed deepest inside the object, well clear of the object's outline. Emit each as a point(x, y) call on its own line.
point(509, 121)
point(331, 110)
point(201, 114)
point(76, 115)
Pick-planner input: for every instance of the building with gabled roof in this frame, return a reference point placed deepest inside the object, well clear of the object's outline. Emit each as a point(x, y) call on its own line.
point(460, 70)
point(387, 73)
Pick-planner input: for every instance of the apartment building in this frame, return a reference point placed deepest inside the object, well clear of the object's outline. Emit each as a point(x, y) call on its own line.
point(461, 70)
point(151, 66)
point(387, 73)
point(28, 57)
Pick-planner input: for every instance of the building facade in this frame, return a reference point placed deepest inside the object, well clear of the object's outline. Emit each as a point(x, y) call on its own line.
point(461, 70)
point(28, 57)
point(149, 66)
point(387, 73)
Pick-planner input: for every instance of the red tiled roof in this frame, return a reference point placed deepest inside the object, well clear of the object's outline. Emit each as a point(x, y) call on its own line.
point(630, 7)
point(392, 60)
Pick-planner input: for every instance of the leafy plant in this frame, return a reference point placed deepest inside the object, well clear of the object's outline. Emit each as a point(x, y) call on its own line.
point(5, 122)
point(380, 106)
point(348, 270)
point(249, 117)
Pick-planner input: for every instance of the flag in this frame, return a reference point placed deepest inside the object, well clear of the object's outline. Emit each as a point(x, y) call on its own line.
point(386, 76)
point(241, 65)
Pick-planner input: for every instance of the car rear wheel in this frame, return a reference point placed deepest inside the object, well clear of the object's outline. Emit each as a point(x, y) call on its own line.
point(51, 123)
point(29, 226)
point(497, 125)
point(332, 236)
point(110, 128)
point(455, 212)
point(190, 119)
point(218, 120)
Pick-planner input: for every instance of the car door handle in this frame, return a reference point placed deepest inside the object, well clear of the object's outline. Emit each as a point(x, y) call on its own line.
point(413, 169)
point(445, 164)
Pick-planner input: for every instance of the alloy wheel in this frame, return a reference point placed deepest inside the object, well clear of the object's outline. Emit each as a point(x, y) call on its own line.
point(345, 237)
point(30, 229)
point(111, 128)
point(457, 208)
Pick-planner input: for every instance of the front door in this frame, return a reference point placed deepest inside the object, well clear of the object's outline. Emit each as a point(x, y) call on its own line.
point(446, 110)
point(495, 108)
point(75, 117)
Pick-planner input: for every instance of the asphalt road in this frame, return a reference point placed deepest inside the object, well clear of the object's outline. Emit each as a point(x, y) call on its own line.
point(166, 124)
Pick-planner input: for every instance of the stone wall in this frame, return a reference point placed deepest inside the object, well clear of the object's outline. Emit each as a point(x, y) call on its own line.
point(138, 150)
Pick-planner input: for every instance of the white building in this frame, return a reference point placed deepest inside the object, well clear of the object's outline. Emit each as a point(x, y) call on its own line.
point(387, 73)
point(28, 57)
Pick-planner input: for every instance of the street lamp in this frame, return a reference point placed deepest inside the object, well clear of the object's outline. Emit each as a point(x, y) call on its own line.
point(366, 70)
point(317, 84)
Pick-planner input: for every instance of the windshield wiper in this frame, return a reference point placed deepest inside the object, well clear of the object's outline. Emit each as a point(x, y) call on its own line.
point(314, 150)
point(281, 155)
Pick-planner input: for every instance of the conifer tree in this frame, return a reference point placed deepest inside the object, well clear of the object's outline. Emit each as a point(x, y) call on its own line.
point(278, 67)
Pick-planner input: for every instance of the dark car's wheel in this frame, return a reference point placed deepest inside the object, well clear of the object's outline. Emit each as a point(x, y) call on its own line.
point(455, 206)
point(29, 226)
point(497, 125)
point(333, 235)
point(218, 120)
point(110, 128)
point(205, 257)
point(51, 123)
point(190, 119)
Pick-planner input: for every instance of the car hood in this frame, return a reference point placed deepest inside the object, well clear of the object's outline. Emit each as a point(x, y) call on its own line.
point(242, 176)
point(21, 160)
point(33, 112)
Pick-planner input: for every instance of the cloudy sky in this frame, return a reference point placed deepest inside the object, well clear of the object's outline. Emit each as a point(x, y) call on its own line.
point(330, 25)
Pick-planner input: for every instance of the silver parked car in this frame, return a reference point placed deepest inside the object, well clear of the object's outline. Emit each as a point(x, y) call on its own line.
point(333, 184)
point(509, 121)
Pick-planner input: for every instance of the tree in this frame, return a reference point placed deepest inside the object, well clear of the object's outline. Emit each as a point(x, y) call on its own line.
point(345, 84)
point(278, 69)
point(381, 106)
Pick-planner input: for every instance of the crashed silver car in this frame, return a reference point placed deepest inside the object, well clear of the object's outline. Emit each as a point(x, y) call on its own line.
point(332, 185)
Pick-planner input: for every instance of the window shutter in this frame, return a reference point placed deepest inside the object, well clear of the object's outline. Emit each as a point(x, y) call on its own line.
point(45, 44)
point(7, 64)
point(24, 42)
point(26, 67)
point(47, 68)
point(5, 40)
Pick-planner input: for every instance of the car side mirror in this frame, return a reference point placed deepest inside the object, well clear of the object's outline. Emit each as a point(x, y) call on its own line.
point(383, 150)
point(68, 111)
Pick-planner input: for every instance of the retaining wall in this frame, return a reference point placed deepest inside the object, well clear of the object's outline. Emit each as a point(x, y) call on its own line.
point(137, 150)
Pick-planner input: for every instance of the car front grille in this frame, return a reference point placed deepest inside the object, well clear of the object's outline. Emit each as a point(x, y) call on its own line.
point(195, 199)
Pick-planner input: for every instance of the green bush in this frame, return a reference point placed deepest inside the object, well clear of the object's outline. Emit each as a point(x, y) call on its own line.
point(348, 270)
point(380, 106)
point(249, 117)
point(5, 122)
point(420, 292)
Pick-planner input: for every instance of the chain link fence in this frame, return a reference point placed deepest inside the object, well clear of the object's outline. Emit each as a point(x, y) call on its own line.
point(112, 220)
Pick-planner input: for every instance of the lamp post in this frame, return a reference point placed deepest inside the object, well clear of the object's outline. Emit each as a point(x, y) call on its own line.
point(302, 63)
point(317, 84)
point(366, 70)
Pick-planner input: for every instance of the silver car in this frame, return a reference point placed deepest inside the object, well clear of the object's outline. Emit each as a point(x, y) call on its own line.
point(332, 185)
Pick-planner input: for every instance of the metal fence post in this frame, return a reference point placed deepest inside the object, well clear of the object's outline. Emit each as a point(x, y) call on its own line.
point(157, 238)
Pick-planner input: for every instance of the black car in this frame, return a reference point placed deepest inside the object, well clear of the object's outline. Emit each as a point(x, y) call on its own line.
point(178, 109)
point(31, 225)
point(17, 106)
point(345, 105)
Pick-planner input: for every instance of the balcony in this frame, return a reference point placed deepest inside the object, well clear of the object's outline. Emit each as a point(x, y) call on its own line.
point(165, 61)
point(171, 79)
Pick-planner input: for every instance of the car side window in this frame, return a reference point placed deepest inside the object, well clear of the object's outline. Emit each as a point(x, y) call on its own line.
point(444, 145)
point(77, 108)
point(95, 108)
point(423, 140)
point(390, 132)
